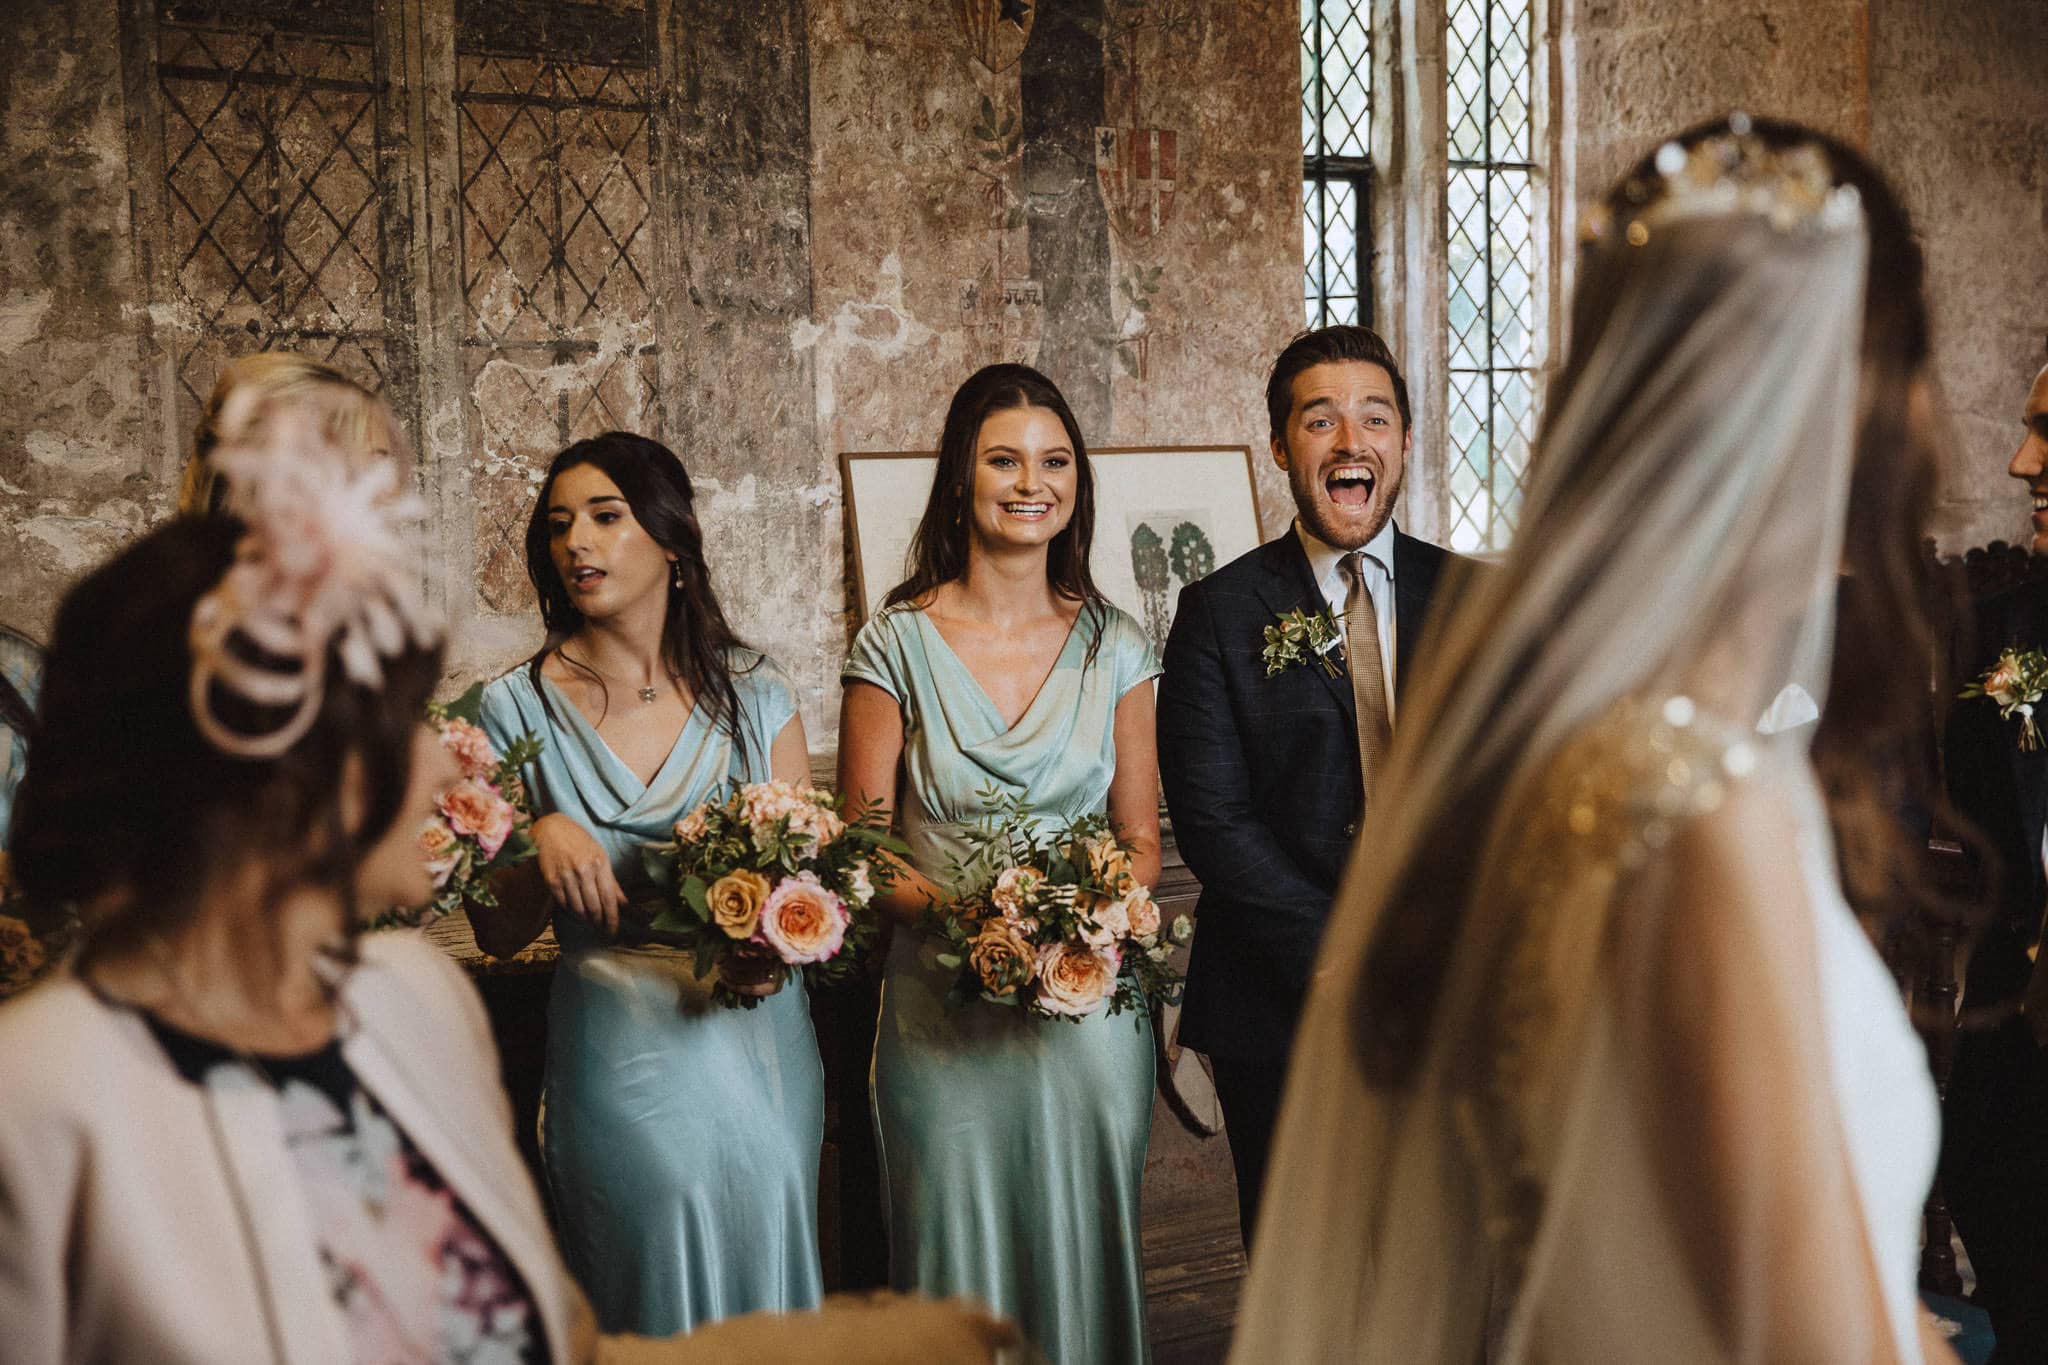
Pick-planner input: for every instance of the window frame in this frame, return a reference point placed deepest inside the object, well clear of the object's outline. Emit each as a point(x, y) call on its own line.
point(1321, 169)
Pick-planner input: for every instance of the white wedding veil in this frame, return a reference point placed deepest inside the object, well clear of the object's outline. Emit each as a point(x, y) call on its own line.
point(1681, 534)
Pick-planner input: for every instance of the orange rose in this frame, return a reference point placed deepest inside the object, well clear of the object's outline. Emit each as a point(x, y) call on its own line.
point(1002, 959)
point(735, 901)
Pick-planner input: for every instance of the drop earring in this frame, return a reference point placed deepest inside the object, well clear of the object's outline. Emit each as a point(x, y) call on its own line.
point(675, 575)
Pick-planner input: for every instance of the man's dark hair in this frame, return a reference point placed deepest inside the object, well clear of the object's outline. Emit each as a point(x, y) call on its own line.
point(1342, 342)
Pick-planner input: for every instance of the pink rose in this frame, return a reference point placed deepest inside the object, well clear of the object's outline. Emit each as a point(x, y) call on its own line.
point(1141, 913)
point(474, 809)
point(1074, 979)
point(442, 850)
point(802, 921)
point(472, 749)
point(1104, 920)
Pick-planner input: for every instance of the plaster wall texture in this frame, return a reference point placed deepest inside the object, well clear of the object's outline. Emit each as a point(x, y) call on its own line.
point(1959, 120)
point(766, 234)
point(80, 472)
point(1952, 105)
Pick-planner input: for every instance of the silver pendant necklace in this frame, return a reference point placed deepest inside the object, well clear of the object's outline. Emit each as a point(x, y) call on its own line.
point(648, 695)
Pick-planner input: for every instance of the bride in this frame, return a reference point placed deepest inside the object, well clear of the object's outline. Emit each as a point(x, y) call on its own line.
point(1631, 1083)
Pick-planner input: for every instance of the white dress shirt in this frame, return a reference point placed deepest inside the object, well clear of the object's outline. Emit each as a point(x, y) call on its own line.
point(1326, 563)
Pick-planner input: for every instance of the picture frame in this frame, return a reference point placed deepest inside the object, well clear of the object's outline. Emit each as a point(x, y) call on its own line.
point(1164, 516)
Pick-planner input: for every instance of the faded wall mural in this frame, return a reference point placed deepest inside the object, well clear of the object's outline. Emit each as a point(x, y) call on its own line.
point(763, 233)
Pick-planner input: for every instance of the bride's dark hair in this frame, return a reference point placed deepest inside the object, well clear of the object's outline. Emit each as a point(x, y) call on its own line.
point(1865, 748)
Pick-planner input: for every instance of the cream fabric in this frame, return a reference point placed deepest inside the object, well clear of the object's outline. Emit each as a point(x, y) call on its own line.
point(143, 1218)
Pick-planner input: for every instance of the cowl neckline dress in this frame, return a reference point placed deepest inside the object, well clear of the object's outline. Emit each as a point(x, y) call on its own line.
point(1012, 1148)
point(680, 1143)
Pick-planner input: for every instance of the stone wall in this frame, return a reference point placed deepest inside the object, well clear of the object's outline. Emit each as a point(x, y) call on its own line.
point(771, 233)
point(1951, 101)
point(767, 233)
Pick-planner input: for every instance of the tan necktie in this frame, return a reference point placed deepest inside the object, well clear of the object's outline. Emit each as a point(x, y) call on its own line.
point(1368, 674)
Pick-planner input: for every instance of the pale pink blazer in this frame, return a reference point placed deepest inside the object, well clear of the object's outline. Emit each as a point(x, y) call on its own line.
point(146, 1219)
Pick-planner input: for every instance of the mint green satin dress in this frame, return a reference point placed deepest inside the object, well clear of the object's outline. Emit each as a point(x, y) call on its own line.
point(681, 1144)
point(22, 663)
point(1012, 1148)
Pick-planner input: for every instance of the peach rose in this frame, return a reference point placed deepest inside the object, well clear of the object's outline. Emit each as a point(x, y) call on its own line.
point(802, 920)
point(735, 901)
point(2003, 686)
point(1002, 959)
point(472, 749)
point(442, 850)
point(474, 809)
point(1141, 913)
point(1075, 979)
point(693, 828)
point(1014, 890)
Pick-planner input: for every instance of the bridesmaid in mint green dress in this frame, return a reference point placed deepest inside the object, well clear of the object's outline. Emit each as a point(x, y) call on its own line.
point(680, 1140)
point(1012, 1148)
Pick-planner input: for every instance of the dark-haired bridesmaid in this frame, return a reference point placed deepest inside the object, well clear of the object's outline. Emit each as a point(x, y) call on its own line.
point(1012, 1148)
point(680, 1140)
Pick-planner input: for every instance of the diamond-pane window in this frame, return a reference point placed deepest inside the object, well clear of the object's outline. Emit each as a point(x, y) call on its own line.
point(1492, 266)
point(1336, 149)
point(276, 213)
point(557, 258)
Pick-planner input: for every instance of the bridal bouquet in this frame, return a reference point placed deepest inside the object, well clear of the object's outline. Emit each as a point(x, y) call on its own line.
point(776, 873)
point(2015, 683)
point(1055, 921)
point(484, 823)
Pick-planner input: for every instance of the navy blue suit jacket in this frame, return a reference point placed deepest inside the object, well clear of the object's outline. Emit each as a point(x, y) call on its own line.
point(1262, 784)
point(2004, 790)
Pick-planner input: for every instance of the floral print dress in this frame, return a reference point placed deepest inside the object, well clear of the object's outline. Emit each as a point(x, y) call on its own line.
point(417, 1278)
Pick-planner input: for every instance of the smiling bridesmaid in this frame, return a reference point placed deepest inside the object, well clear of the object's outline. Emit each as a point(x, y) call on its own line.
point(1012, 1148)
point(680, 1140)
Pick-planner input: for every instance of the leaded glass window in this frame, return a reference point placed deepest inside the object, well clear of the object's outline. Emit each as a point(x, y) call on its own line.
point(274, 203)
point(1336, 142)
point(1492, 266)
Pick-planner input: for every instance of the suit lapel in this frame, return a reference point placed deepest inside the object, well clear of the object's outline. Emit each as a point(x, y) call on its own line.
point(1415, 575)
point(1290, 586)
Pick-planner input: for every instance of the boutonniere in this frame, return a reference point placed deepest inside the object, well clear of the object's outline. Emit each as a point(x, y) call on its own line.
point(1299, 637)
point(2016, 684)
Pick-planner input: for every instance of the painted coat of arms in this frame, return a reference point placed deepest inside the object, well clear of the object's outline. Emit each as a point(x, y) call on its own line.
point(996, 29)
point(1136, 170)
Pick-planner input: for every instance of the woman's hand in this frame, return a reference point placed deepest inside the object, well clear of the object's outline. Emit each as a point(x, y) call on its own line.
point(578, 872)
point(750, 969)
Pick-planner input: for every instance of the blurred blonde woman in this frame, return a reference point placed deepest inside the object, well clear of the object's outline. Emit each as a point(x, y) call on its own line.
point(350, 417)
